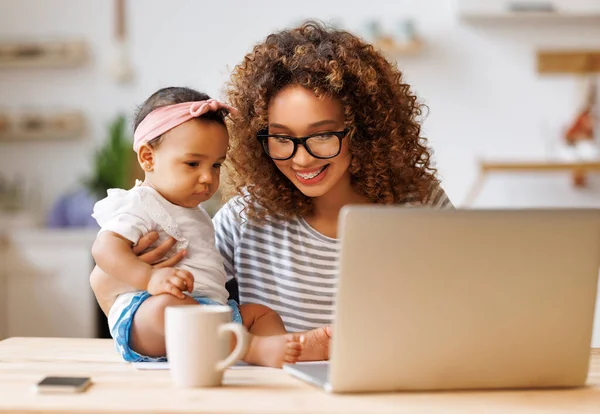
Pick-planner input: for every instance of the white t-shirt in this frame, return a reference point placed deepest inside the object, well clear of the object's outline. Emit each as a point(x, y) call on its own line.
point(136, 212)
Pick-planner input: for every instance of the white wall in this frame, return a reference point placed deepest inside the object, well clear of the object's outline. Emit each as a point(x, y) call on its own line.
point(479, 81)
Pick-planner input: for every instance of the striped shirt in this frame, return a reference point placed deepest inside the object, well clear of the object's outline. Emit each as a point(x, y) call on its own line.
point(285, 265)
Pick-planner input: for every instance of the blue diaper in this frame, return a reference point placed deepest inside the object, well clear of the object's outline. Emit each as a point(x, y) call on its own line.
point(122, 328)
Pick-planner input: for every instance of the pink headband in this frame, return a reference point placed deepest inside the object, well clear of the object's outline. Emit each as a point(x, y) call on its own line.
point(168, 117)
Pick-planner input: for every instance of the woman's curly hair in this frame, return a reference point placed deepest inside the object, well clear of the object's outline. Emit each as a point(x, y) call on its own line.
point(390, 160)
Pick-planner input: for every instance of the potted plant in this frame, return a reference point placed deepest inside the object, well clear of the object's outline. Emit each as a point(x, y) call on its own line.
point(114, 166)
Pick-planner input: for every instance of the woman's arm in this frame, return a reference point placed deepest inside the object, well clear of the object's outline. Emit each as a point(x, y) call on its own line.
point(106, 288)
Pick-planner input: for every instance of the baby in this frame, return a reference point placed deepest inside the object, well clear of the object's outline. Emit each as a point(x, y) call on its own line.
point(181, 141)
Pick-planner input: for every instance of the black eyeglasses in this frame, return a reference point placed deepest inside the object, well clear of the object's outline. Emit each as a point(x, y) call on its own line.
point(322, 145)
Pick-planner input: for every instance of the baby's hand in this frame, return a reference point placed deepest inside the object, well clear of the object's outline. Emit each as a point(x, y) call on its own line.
point(170, 280)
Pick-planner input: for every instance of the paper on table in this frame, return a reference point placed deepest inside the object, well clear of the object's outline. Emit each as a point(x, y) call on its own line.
point(165, 365)
point(150, 365)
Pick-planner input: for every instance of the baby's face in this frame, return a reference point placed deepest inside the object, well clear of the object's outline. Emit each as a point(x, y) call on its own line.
point(187, 162)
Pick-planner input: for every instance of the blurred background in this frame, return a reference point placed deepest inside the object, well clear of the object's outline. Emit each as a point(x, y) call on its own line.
point(511, 88)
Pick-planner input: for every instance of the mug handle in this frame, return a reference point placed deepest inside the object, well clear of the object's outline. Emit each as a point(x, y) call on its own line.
point(241, 347)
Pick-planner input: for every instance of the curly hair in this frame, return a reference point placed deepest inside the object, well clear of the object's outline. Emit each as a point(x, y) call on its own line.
point(390, 161)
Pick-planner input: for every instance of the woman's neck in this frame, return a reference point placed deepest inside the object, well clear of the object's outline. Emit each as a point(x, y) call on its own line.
point(326, 208)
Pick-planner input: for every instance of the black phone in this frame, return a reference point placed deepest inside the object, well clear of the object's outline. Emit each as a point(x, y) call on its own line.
point(63, 384)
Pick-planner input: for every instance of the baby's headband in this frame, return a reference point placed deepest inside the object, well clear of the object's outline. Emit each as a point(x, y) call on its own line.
point(168, 117)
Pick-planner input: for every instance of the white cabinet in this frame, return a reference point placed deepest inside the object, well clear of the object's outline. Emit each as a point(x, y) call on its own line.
point(45, 288)
point(540, 10)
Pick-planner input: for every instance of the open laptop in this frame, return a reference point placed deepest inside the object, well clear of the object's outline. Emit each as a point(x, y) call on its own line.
point(461, 299)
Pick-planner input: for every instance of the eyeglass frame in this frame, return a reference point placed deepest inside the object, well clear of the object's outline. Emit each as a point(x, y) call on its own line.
point(262, 138)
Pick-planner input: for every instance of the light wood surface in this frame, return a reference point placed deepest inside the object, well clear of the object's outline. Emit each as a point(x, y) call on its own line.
point(533, 166)
point(42, 54)
point(118, 387)
point(578, 169)
point(394, 49)
point(568, 61)
point(59, 126)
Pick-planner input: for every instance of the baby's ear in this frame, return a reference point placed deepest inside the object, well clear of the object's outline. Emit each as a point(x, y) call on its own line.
point(146, 157)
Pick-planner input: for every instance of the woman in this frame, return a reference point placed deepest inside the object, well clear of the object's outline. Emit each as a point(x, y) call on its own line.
point(324, 121)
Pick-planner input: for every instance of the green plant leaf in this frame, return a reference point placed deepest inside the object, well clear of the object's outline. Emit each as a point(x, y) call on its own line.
point(112, 161)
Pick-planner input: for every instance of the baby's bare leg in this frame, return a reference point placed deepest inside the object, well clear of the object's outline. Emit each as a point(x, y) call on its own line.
point(261, 320)
point(264, 321)
point(147, 335)
point(316, 344)
point(270, 344)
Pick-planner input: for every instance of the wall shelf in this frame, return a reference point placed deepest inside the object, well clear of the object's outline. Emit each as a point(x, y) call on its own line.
point(394, 49)
point(529, 11)
point(42, 54)
point(568, 61)
point(41, 127)
point(578, 169)
point(537, 166)
point(531, 17)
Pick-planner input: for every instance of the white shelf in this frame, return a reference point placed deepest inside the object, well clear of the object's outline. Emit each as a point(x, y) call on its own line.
point(509, 17)
point(529, 11)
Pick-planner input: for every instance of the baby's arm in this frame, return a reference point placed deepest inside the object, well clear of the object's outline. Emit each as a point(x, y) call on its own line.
point(107, 288)
point(114, 256)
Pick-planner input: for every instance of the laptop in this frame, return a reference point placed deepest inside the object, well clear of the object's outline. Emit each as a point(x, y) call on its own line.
point(461, 299)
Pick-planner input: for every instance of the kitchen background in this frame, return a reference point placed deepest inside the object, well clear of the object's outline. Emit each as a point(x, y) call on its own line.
point(513, 114)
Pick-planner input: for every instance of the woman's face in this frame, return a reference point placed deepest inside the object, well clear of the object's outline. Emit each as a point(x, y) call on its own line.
point(297, 112)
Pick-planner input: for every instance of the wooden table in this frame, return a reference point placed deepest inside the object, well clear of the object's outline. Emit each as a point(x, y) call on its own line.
point(119, 387)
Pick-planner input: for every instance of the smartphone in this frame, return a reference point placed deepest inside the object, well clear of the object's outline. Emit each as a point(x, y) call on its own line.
point(63, 384)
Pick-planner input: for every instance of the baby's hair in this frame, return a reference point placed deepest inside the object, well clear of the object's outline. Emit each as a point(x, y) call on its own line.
point(171, 96)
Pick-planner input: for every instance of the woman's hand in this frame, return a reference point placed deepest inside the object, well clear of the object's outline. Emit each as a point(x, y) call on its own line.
point(155, 255)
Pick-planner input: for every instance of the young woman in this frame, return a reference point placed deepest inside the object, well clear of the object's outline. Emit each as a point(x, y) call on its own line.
point(324, 121)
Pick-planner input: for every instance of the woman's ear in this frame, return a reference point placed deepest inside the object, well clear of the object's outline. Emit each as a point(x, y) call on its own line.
point(146, 157)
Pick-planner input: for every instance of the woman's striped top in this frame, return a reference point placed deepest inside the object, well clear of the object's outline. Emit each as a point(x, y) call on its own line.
point(288, 266)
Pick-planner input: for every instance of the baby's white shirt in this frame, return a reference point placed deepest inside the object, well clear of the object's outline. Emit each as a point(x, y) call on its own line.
point(140, 210)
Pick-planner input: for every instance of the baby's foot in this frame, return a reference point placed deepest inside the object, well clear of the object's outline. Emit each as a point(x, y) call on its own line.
point(316, 344)
point(274, 351)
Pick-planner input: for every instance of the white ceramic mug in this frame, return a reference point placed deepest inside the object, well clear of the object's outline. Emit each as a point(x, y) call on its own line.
point(198, 340)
